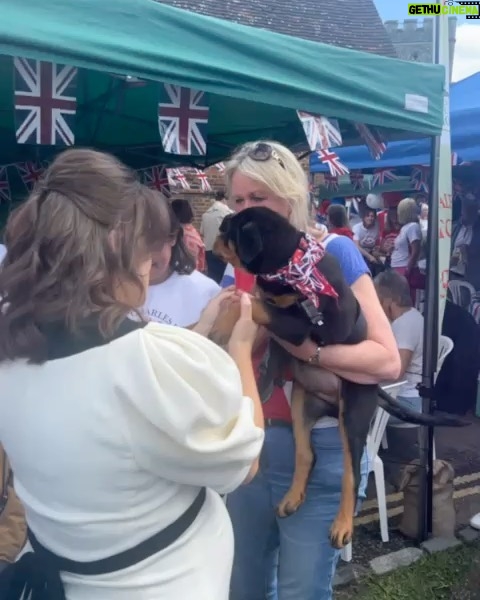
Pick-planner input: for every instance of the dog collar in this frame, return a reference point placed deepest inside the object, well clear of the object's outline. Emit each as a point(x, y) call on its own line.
point(302, 273)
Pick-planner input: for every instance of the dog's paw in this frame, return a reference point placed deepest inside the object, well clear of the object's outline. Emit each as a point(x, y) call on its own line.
point(341, 532)
point(291, 502)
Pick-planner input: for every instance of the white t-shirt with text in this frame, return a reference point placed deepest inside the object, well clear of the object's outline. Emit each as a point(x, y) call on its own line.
point(366, 238)
point(180, 299)
point(408, 332)
point(409, 233)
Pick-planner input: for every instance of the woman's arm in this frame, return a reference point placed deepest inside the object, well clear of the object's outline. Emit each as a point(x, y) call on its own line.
point(414, 255)
point(366, 255)
point(372, 361)
point(243, 360)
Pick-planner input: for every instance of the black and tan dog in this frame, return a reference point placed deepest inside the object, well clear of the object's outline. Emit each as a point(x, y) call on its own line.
point(301, 293)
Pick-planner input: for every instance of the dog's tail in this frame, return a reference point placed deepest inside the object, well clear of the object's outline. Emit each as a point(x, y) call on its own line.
point(396, 409)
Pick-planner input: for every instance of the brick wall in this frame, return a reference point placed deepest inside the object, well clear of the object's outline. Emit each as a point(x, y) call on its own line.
point(200, 201)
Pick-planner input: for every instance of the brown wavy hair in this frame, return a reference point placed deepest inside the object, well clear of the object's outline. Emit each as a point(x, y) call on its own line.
point(86, 227)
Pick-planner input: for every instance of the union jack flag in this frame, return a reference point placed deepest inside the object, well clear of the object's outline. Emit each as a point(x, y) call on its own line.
point(183, 120)
point(30, 173)
point(382, 176)
point(156, 178)
point(331, 182)
point(4, 186)
point(419, 178)
point(321, 133)
point(372, 140)
point(204, 183)
point(331, 159)
point(356, 179)
point(45, 102)
point(220, 166)
point(179, 177)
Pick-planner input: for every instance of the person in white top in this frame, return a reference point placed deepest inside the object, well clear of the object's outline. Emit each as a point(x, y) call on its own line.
point(211, 220)
point(407, 326)
point(121, 434)
point(177, 293)
point(407, 246)
point(366, 236)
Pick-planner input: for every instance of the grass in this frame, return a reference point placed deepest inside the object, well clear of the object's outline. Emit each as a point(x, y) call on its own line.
point(450, 575)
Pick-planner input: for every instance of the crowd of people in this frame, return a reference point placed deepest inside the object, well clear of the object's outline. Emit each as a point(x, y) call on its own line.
point(125, 426)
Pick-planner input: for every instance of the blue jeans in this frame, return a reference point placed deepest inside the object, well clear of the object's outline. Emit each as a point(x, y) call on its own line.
point(291, 558)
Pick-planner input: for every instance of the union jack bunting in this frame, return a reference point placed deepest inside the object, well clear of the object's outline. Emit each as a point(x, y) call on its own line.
point(30, 173)
point(356, 179)
point(331, 182)
point(183, 120)
point(179, 177)
point(331, 159)
point(45, 102)
point(204, 183)
point(419, 178)
point(382, 176)
point(156, 178)
point(4, 186)
point(321, 133)
point(220, 166)
point(372, 140)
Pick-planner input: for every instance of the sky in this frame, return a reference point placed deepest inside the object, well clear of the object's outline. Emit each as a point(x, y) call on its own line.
point(467, 47)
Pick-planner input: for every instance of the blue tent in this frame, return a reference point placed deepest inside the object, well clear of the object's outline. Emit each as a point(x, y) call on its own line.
point(465, 131)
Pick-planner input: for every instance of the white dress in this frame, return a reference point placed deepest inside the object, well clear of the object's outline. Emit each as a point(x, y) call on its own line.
point(112, 444)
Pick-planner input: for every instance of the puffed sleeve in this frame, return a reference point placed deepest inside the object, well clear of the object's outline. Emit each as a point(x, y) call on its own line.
point(186, 415)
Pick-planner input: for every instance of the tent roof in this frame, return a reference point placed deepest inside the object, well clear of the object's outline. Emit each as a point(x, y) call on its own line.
point(353, 24)
point(238, 66)
point(464, 128)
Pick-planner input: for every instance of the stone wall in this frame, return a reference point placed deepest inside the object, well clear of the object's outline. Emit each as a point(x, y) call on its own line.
point(413, 39)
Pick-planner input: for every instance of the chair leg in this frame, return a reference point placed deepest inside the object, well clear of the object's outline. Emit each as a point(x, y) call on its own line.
point(384, 440)
point(346, 554)
point(381, 498)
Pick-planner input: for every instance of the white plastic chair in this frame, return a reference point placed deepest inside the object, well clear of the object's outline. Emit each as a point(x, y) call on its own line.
point(456, 287)
point(375, 464)
point(445, 346)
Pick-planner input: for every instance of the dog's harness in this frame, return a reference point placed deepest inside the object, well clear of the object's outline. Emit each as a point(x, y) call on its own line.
point(303, 275)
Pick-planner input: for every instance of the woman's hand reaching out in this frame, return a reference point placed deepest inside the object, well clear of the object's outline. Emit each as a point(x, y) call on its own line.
point(245, 330)
point(212, 310)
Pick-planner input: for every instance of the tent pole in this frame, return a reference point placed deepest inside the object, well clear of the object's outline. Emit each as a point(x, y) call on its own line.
point(430, 331)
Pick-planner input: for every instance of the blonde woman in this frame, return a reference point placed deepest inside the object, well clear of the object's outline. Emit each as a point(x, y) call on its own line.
point(408, 245)
point(291, 559)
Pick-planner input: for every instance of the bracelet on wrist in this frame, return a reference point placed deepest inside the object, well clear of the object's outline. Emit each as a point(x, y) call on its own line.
point(315, 358)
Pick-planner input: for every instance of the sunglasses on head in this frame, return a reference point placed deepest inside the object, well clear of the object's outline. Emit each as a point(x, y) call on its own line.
point(262, 152)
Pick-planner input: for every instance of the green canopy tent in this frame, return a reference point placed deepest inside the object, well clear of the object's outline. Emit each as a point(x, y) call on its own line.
point(256, 79)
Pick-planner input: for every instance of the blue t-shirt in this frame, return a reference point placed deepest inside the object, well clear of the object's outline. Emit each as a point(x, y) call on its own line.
point(341, 247)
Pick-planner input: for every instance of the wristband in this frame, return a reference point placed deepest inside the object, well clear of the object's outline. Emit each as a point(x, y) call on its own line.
point(315, 358)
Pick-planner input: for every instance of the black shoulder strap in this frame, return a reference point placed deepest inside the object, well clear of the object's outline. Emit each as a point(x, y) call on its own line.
point(153, 545)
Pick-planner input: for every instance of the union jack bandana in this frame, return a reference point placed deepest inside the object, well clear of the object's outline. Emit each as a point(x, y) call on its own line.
point(302, 273)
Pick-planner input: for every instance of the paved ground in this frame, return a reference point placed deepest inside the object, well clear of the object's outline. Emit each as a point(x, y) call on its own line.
point(461, 447)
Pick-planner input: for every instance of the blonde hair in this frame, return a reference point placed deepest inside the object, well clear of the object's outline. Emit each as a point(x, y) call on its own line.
point(282, 175)
point(407, 211)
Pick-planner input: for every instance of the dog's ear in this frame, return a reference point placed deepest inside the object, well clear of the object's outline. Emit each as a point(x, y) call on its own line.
point(249, 243)
point(225, 224)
